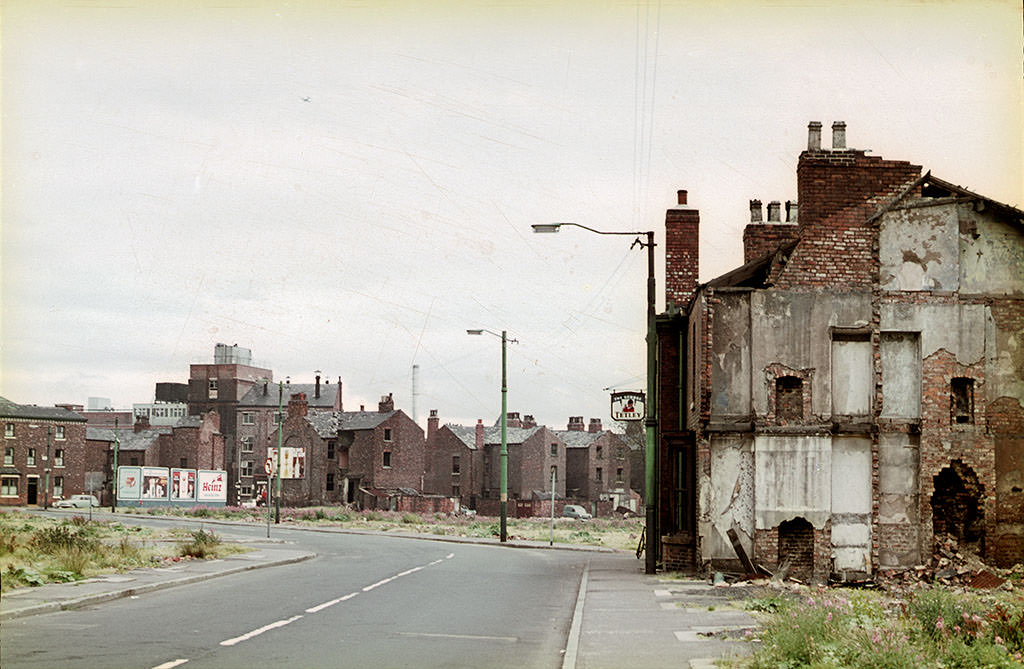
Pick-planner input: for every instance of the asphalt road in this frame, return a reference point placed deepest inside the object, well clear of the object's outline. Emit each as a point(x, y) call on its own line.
point(365, 601)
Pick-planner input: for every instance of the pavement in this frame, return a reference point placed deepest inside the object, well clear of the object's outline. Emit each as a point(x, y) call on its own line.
point(622, 616)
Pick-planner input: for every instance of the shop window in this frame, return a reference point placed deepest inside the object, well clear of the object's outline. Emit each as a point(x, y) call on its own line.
point(961, 400)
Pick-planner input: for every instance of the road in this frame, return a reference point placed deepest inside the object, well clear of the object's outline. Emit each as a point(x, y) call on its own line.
point(364, 601)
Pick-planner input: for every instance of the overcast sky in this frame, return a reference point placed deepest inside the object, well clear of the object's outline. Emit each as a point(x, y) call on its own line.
point(349, 186)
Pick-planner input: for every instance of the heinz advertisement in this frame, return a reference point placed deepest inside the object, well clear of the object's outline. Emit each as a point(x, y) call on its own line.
point(212, 486)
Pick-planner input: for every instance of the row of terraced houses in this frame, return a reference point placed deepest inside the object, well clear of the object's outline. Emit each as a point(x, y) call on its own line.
point(370, 458)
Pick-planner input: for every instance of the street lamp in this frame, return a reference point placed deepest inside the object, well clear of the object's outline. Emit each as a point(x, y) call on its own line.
point(503, 489)
point(651, 423)
point(46, 468)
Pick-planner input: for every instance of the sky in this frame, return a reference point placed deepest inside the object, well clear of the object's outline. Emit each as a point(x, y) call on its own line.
point(349, 186)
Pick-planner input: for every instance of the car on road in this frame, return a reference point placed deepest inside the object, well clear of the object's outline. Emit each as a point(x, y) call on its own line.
point(575, 511)
point(77, 502)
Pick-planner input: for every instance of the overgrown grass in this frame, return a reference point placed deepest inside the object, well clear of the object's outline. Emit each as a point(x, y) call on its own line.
point(868, 629)
point(35, 550)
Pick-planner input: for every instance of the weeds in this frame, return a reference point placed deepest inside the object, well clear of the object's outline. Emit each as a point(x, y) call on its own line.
point(201, 545)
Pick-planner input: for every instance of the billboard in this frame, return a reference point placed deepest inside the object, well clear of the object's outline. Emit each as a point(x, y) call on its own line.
point(293, 461)
point(212, 486)
point(183, 484)
point(129, 483)
point(154, 482)
point(628, 405)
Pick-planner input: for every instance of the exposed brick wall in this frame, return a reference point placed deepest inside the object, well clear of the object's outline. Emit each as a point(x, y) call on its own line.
point(761, 239)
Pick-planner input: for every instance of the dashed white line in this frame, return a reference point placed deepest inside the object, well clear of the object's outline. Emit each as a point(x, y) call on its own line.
point(257, 632)
point(169, 665)
point(321, 607)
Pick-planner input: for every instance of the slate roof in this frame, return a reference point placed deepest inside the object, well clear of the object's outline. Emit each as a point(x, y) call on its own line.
point(255, 397)
point(127, 440)
point(328, 423)
point(492, 434)
point(189, 421)
point(578, 438)
point(9, 409)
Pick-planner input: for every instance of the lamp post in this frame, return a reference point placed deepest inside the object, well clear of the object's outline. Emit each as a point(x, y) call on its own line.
point(280, 435)
point(651, 422)
point(503, 489)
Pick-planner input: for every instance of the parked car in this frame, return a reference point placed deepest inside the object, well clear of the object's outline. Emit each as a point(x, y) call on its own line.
point(77, 502)
point(575, 511)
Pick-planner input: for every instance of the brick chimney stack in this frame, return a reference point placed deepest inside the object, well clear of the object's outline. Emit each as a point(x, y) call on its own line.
point(595, 425)
point(386, 404)
point(298, 405)
point(141, 423)
point(433, 422)
point(682, 254)
point(512, 419)
point(529, 421)
point(576, 424)
point(479, 434)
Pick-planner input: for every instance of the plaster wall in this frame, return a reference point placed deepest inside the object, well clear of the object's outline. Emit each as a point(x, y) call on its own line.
point(851, 504)
point(730, 362)
point(900, 354)
point(991, 255)
point(898, 499)
point(792, 329)
point(793, 477)
point(729, 497)
point(957, 328)
point(853, 379)
point(918, 249)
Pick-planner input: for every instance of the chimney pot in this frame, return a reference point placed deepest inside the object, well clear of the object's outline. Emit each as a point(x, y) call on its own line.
point(814, 136)
point(316, 393)
point(681, 196)
point(755, 211)
point(791, 211)
point(774, 211)
point(839, 135)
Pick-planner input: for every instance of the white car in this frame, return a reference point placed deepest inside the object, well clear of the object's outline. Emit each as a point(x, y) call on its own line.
point(77, 502)
point(575, 511)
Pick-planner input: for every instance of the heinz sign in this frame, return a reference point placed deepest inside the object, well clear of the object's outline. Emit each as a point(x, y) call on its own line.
point(211, 486)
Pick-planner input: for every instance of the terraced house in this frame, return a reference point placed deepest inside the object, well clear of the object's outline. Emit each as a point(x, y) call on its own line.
point(44, 452)
point(854, 392)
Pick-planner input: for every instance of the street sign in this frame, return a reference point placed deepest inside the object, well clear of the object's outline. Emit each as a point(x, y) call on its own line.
point(268, 466)
point(628, 405)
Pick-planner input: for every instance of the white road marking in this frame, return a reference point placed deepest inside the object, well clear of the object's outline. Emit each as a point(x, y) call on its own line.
point(168, 665)
point(257, 632)
point(507, 639)
point(379, 583)
point(321, 607)
point(662, 593)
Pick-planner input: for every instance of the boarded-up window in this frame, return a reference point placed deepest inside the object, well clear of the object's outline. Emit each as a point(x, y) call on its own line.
point(852, 374)
point(901, 374)
point(789, 398)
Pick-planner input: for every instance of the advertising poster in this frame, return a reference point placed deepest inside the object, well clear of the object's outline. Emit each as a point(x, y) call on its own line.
point(154, 483)
point(212, 486)
point(293, 461)
point(183, 484)
point(129, 483)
